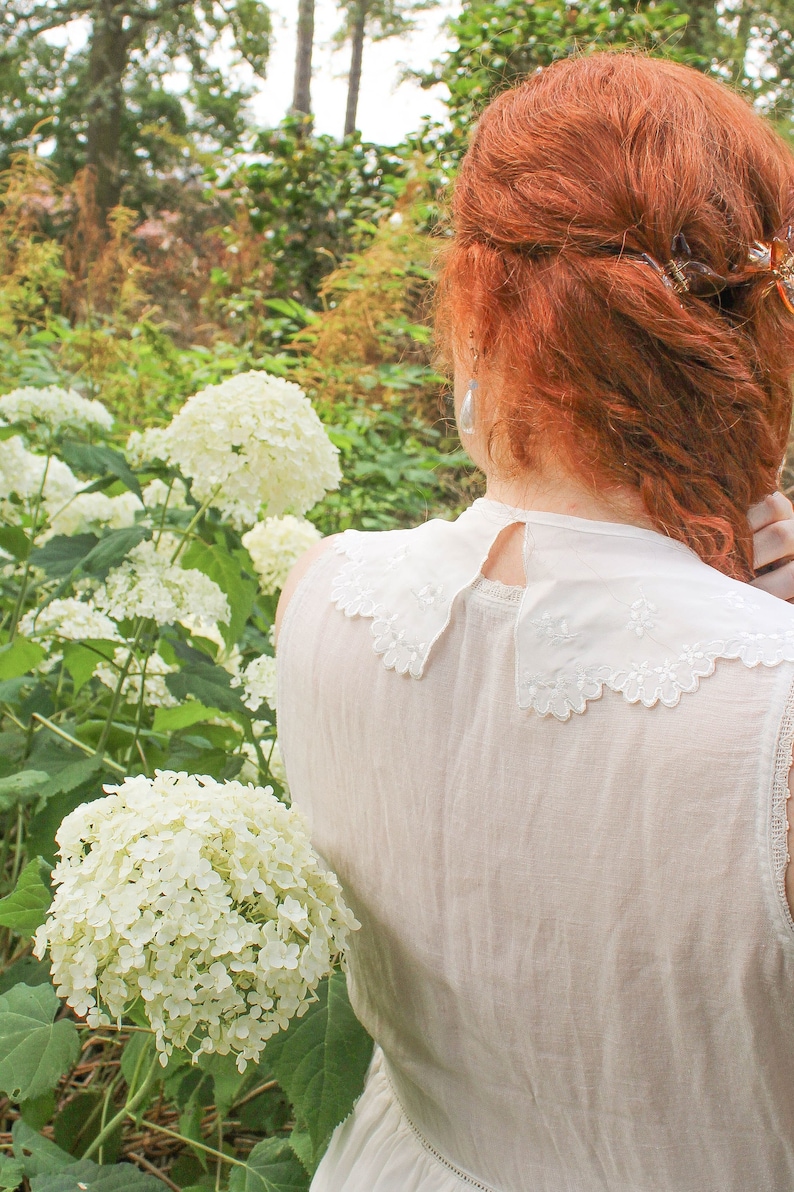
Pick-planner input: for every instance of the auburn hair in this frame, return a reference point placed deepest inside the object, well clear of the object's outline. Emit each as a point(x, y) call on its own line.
point(568, 179)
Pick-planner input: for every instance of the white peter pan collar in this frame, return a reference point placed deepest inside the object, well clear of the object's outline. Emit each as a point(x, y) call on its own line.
point(605, 605)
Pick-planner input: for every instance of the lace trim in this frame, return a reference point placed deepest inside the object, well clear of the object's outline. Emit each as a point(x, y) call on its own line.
point(462, 1175)
point(780, 797)
point(494, 589)
point(643, 683)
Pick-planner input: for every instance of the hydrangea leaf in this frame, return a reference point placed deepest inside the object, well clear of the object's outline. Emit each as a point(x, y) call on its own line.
point(169, 720)
point(85, 1176)
point(81, 660)
point(225, 570)
point(21, 788)
point(321, 1061)
point(37, 1155)
point(111, 550)
point(11, 1174)
point(63, 554)
point(206, 682)
point(96, 459)
point(27, 970)
point(25, 908)
point(272, 1167)
point(14, 540)
point(34, 1051)
point(19, 657)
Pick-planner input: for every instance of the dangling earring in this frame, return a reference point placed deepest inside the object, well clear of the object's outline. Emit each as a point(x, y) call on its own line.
point(466, 420)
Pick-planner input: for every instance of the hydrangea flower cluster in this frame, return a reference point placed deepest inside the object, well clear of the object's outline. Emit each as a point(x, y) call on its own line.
point(21, 472)
point(258, 680)
point(275, 545)
point(155, 691)
point(148, 584)
point(71, 620)
point(88, 512)
point(204, 899)
point(251, 441)
point(54, 409)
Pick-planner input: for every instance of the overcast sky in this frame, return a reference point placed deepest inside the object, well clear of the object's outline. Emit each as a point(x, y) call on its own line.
point(387, 109)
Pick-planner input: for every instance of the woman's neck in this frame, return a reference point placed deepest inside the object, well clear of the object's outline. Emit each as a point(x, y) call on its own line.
point(555, 490)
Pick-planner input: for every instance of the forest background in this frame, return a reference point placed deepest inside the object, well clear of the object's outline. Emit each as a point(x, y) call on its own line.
point(151, 244)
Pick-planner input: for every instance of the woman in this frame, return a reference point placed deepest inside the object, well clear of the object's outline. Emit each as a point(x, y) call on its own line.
point(547, 747)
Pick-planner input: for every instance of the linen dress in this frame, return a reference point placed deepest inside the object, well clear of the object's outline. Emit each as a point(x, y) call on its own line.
point(559, 813)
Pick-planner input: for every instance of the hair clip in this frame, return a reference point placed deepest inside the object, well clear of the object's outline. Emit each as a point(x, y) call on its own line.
point(684, 274)
point(777, 259)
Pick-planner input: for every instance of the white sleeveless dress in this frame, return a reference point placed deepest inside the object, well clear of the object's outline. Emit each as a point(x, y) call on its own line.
point(560, 815)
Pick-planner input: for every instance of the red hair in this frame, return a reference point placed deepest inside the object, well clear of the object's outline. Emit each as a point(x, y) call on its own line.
point(568, 178)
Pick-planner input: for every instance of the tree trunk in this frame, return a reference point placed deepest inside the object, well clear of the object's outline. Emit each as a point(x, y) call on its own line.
point(107, 63)
point(357, 29)
point(301, 98)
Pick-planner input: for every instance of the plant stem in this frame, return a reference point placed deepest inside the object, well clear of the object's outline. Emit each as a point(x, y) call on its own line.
point(116, 700)
point(17, 862)
point(128, 1109)
point(186, 534)
point(59, 732)
point(219, 1161)
point(23, 587)
point(208, 1150)
point(109, 1091)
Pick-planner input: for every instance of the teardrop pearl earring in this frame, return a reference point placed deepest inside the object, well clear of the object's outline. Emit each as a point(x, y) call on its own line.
point(466, 420)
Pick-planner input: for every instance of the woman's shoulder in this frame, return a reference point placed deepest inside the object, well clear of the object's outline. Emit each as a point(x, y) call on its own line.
point(299, 570)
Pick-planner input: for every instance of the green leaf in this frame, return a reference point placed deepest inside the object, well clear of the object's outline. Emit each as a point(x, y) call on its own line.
point(113, 549)
point(37, 1155)
point(225, 570)
point(209, 684)
point(12, 690)
point(79, 1122)
point(85, 1176)
point(39, 1111)
point(82, 658)
point(96, 459)
point(11, 1174)
point(34, 1051)
point(226, 1080)
point(19, 657)
point(71, 776)
point(15, 541)
point(25, 908)
point(21, 788)
point(321, 1061)
point(27, 970)
point(272, 1166)
point(62, 554)
point(168, 720)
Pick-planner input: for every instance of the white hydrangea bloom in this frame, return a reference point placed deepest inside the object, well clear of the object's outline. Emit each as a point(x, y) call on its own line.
point(275, 545)
point(148, 584)
point(155, 691)
point(70, 620)
point(88, 512)
point(21, 471)
point(255, 439)
point(204, 899)
point(157, 493)
point(258, 680)
point(143, 446)
point(54, 408)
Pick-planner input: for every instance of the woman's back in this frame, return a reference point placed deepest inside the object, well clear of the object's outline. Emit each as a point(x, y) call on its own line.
point(575, 951)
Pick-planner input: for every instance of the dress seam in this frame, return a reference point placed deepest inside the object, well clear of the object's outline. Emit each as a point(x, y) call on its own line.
point(442, 1160)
